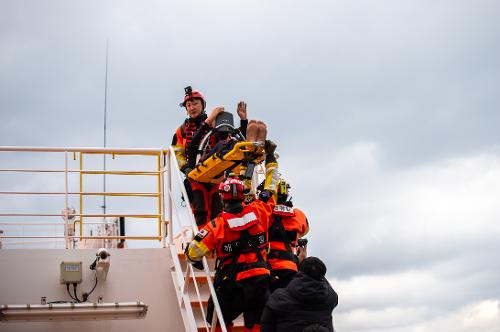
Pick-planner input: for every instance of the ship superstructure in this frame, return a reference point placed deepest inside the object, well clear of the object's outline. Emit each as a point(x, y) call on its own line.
point(68, 263)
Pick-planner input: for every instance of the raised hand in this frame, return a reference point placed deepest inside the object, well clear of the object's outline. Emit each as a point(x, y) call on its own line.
point(242, 110)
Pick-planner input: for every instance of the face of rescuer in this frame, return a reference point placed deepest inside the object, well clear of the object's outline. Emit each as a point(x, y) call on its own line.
point(194, 107)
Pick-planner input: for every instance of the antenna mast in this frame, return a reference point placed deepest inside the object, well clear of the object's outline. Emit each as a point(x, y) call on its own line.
point(104, 155)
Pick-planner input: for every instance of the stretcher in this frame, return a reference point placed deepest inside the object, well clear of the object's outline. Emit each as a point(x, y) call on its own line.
point(213, 168)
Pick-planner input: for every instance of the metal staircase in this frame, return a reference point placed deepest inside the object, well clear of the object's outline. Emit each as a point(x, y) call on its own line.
point(193, 287)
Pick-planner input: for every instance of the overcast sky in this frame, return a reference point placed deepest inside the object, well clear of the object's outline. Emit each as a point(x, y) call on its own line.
point(386, 116)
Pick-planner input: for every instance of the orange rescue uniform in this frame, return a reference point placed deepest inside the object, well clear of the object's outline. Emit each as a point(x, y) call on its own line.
point(239, 240)
point(283, 238)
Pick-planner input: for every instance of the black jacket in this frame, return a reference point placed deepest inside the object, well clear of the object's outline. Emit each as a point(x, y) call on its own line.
point(303, 302)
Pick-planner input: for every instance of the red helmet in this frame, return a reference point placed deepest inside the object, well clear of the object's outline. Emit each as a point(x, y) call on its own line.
point(232, 189)
point(190, 94)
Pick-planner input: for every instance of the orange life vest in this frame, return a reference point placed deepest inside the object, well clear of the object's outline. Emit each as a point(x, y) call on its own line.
point(287, 226)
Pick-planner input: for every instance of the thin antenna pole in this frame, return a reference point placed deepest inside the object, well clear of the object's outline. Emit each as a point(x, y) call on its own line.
point(105, 109)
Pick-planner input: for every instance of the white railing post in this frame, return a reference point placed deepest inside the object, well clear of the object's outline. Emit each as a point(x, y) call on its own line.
point(66, 217)
point(164, 232)
point(174, 168)
point(170, 200)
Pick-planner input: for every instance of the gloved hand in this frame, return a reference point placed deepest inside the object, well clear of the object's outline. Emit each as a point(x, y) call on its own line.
point(196, 264)
point(249, 197)
point(269, 147)
point(186, 170)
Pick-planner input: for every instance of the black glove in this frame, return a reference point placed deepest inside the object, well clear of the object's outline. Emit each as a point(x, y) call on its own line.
point(265, 195)
point(269, 147)
point(186, 170)
point(249, 197)
point(198, 265)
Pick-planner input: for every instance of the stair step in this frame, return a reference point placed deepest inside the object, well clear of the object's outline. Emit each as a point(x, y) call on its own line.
point(196, 303)
point(200, 276)
point(236, 327)
point(201, 280)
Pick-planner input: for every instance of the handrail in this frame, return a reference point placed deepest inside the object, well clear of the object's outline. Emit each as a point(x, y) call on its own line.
point(168, 175)
point(183, 278)
point(79, 215)
point(157, 171)
point(107, 237)
point(138, 151)
point(82, 171)
point(137, 194)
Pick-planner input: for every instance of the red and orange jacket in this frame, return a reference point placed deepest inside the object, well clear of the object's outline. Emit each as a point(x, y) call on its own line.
point(287, 226)
point(194, 130)
point(240, 241)
point(183, 137)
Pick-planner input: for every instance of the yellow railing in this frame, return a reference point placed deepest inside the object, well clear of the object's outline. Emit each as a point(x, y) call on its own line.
point(158, 170)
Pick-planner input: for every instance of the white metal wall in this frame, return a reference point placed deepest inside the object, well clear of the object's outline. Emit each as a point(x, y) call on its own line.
point(134, 275)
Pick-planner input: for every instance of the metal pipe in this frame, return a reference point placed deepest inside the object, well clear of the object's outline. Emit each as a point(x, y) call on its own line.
point(137, 151)
point(66, 206)
point(78, 215)
point(21, 170)
point(138, 194)
point(16, 223)
point(159, 196)
point(84, 237)
point(161, 176)
point(81, 190)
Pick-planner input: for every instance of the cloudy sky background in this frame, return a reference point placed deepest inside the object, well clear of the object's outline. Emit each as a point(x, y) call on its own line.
point(386, 115)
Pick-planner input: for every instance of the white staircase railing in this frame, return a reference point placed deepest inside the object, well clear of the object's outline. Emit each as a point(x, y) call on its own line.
point(191, 286)
point(183, 274)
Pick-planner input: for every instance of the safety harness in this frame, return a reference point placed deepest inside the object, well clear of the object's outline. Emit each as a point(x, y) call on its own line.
point(277, 233)
point(190, 126)
point(227, 266)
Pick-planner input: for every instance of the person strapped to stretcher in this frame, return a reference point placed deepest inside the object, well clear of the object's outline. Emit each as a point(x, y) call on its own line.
point(219, 149)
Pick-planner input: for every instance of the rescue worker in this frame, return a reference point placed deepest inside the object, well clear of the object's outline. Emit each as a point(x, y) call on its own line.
point(203, 197)
point(287, 226)
point(239, 238)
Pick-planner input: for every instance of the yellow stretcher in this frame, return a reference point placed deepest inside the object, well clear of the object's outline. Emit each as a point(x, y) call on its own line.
point(212, 169)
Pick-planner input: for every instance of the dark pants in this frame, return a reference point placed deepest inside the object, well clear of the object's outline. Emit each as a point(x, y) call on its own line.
point(247, 296)
point(205, 202)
